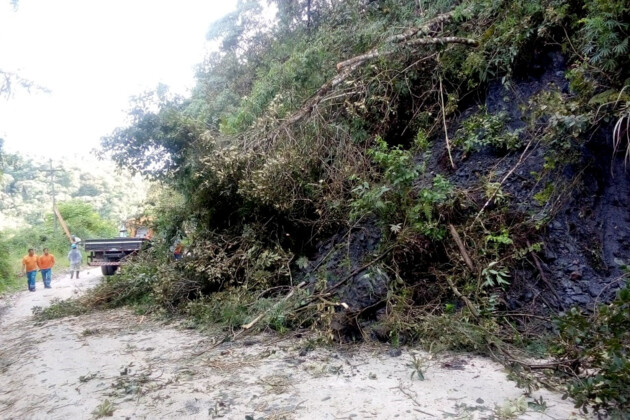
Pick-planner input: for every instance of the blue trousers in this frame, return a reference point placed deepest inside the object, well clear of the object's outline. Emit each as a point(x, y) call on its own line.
point(30, 277)
point(46, 276)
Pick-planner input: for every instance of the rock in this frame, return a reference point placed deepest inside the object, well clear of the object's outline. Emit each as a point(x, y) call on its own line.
point(581, 299)
point(549, 255)
point(395, 352)
point(595, 289)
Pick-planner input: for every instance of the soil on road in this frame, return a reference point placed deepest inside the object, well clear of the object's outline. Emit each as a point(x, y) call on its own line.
point(116, 363)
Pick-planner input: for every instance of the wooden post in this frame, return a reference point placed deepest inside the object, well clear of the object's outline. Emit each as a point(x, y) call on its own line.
point(63, 224)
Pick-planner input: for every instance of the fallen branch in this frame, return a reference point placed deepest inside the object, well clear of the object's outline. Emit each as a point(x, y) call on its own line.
point(399, 38)
point(247, 327)
point(358, 270)
point(415, 402)
point(467, 301)
point(347, 67)
point(462, 247)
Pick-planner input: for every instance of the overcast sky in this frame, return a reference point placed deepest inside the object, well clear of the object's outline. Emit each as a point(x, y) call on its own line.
point(93, 55)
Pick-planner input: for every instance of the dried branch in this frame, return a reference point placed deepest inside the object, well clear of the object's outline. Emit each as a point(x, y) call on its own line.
point(398, 38)
point(448, 143)
point(347, 67)
point(543, 276)
point(467, 301)
point(462, 247)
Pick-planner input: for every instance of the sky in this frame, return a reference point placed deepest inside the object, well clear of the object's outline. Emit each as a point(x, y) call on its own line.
point(93, 55)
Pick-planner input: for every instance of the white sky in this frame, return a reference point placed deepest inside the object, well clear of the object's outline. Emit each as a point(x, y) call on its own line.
point(93, 55)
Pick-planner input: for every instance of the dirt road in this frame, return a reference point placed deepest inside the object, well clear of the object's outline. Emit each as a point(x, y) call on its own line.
point(132, 367)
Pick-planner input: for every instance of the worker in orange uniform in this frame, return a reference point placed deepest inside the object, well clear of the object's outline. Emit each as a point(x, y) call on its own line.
point(46, 263)
point(29, 267)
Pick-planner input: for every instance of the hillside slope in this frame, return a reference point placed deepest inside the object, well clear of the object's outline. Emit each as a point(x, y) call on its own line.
point(449, 172)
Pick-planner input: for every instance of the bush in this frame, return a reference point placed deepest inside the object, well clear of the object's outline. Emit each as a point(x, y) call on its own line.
point(596, 349)
point(7, 277)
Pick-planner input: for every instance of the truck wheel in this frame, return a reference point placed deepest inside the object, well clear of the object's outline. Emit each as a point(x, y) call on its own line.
point(108, 270)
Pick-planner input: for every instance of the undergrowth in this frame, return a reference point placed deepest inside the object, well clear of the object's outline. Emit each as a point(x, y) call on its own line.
point(594, 353)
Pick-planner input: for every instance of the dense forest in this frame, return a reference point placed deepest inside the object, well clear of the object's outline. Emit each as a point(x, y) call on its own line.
point(447, 173)
point(26, 189)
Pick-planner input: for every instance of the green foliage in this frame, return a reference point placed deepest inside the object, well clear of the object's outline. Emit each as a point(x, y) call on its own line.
point(225, 308)
point(484, 129)
point(104, 409)
point(60, 309)
point(543, 196)
point(8, 269)
point(83, 221)
point(605, 34)
point(398, 165)
point(425, 216)
point(495, 276)
point(157, 142)
point(597, 348)
point(399, 171)
point(395, 200)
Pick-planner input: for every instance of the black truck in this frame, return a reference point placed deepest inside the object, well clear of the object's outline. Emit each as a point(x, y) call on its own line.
point(109, 254)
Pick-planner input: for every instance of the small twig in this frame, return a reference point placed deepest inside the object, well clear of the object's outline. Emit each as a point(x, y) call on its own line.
point(448, 143)
point(327, 292)
point(358, 270)
point(408, 395)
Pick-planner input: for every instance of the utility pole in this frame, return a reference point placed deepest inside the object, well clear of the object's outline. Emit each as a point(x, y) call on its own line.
point(52, 184)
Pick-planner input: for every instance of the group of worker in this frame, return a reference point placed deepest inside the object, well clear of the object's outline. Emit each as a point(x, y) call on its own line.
point(45, 262)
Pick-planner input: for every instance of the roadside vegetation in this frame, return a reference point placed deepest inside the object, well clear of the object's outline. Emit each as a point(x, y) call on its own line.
point(94, 199)
point(389, 170)
point(81, 219)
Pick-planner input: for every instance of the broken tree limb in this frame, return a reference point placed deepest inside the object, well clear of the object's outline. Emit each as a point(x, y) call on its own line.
point(397, 39)
point(349, 66)
point(467, 301)
point(442, 40)
point(328, 291)
point(462, 247)
point(376, 53)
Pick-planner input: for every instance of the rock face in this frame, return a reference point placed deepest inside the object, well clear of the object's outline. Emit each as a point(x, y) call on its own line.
point(584, 231)
point(587, 241)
